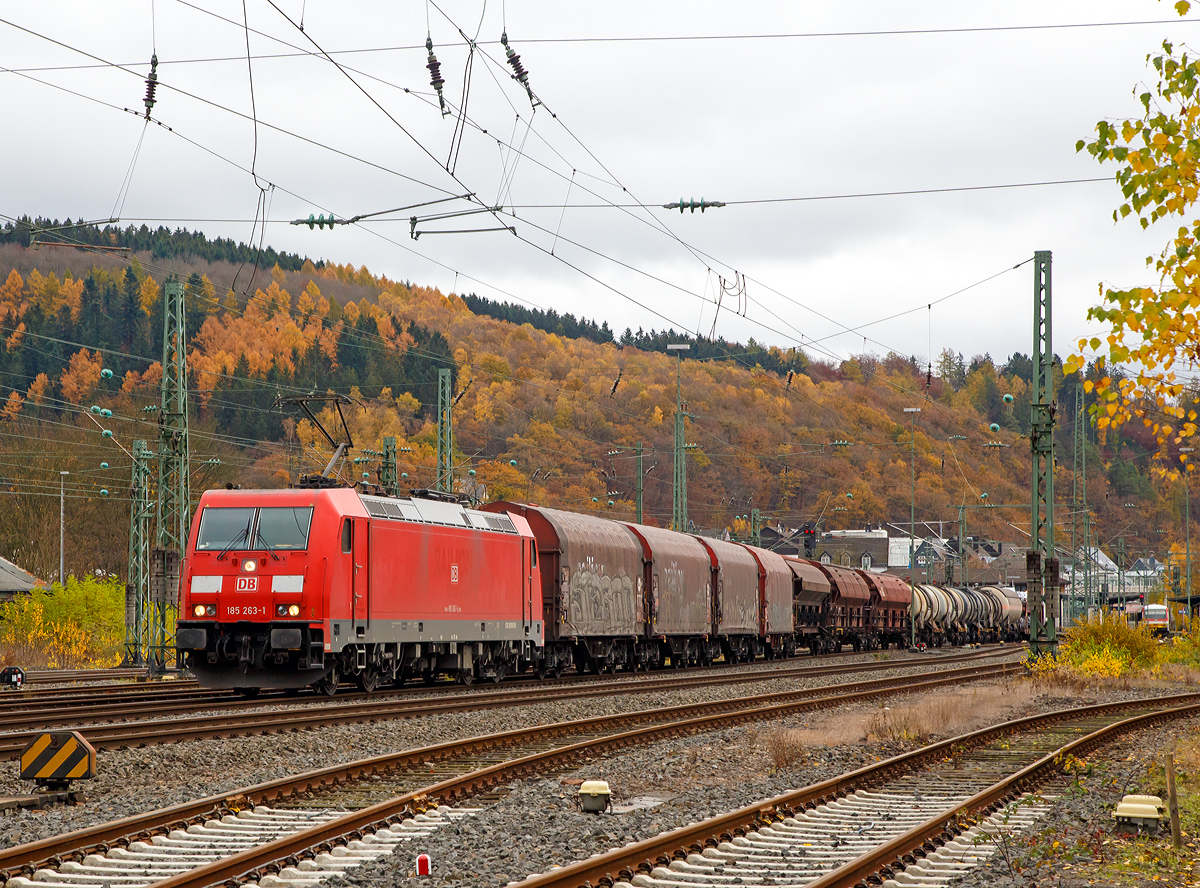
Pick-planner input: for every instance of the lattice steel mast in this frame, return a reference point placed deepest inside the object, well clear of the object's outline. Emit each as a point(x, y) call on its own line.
point(1041, 564)
point(137, 590)
point(173, 493)
point(445, 434)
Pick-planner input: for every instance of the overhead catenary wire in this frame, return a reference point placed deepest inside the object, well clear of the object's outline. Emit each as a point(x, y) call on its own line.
point(669, 319)
point(664, 38)
point(640, 205)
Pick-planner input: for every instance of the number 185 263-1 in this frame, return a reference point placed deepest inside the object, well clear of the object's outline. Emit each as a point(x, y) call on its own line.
point(246, 611)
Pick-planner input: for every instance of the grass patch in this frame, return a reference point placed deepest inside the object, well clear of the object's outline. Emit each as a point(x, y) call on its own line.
point(945, 714)
point(785, 747)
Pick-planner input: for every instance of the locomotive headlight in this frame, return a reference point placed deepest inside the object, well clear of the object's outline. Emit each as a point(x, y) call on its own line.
point(281, 609)
point(211, 610)
point(294, 610)
point(199, 610)
point(250, 565)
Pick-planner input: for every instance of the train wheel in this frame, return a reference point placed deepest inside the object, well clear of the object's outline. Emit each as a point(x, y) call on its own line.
point(557, 672)
point(328, 684)
point(427, 676)
point(367, 680)
point(465, 677)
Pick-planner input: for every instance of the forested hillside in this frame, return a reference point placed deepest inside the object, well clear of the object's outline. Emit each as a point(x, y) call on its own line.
point(780, 431)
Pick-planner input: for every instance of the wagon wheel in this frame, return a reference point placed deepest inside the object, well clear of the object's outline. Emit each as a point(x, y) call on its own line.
point(466, 676)
point(427, 676)
point(557, 672)
point(328, 684)
point(499, 674)
point(540, 670)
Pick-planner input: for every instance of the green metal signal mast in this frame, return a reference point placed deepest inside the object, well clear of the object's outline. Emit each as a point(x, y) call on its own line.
point(1041, 565)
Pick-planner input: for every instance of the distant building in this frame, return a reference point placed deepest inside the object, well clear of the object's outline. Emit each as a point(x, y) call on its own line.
point(14, 581)
point(866, 549)
point(782, 540)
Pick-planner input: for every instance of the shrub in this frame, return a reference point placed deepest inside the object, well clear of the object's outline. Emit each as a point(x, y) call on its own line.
point(81, 624)
point(1184, 648)
point(1102, 647)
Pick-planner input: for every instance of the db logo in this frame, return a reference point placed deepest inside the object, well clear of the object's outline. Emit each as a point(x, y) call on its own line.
point(454, 573)
point(247, 584)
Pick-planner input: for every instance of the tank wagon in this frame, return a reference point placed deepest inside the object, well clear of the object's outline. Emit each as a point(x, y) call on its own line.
point(944, 614)
point(315, 586)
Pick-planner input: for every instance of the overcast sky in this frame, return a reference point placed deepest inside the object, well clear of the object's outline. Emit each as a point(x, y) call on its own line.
point(981, 99)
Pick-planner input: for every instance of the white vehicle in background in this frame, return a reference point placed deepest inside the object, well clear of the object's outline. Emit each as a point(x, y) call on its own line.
point(1155, 619)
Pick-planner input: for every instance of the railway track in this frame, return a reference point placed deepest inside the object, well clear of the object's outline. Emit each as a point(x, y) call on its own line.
point(60, 676)
point(108, 725)
point(930, 814)
point(291, 817)
point(181, 686)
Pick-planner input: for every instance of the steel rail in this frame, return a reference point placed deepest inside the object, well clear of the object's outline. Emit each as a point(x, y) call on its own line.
point(624, 863)
point(125, 693)
point(260, 721)
point(250, 861)
point(689, 717)
point(54, 676)
point(943, 827)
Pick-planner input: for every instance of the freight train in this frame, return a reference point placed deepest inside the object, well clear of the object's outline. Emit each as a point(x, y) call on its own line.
point(312, 586)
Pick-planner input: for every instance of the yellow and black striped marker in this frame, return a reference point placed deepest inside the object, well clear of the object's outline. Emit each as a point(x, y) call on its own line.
point(55, 758)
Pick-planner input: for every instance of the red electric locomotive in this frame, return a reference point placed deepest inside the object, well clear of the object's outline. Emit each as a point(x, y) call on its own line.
point(288, 588)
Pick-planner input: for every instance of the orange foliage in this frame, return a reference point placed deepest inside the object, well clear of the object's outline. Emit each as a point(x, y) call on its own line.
point(148, 294)
point(37, 389)
point(18, 335)
point(12, 406)
point(81, 376)
point(71, 295)
point(11, 302)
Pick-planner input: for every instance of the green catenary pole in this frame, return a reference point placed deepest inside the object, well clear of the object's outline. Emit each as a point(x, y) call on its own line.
point(1041, 565)
point(137, 589)
point(173, 493)
point(679, 512)
point(638, 486)
point(445, 434)
point(388, 477)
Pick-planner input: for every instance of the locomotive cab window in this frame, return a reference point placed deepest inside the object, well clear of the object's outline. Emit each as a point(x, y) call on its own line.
point(347, 535)
point(248, 529)
point(284, 528)
point(533, 549)
point(224, 527)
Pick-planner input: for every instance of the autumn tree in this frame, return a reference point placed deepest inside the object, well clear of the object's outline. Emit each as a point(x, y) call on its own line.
point(1154, 332)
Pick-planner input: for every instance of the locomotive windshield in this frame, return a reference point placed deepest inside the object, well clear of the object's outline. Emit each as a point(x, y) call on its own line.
point(222, 527)
point(283, 527)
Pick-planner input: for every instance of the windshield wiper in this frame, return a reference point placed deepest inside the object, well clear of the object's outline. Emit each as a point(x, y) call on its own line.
point(262, 539)
point(233, 542)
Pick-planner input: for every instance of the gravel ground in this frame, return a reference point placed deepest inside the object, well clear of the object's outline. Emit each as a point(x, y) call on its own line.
point(132, 781)
point(538, 826)
point(1076, 843)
